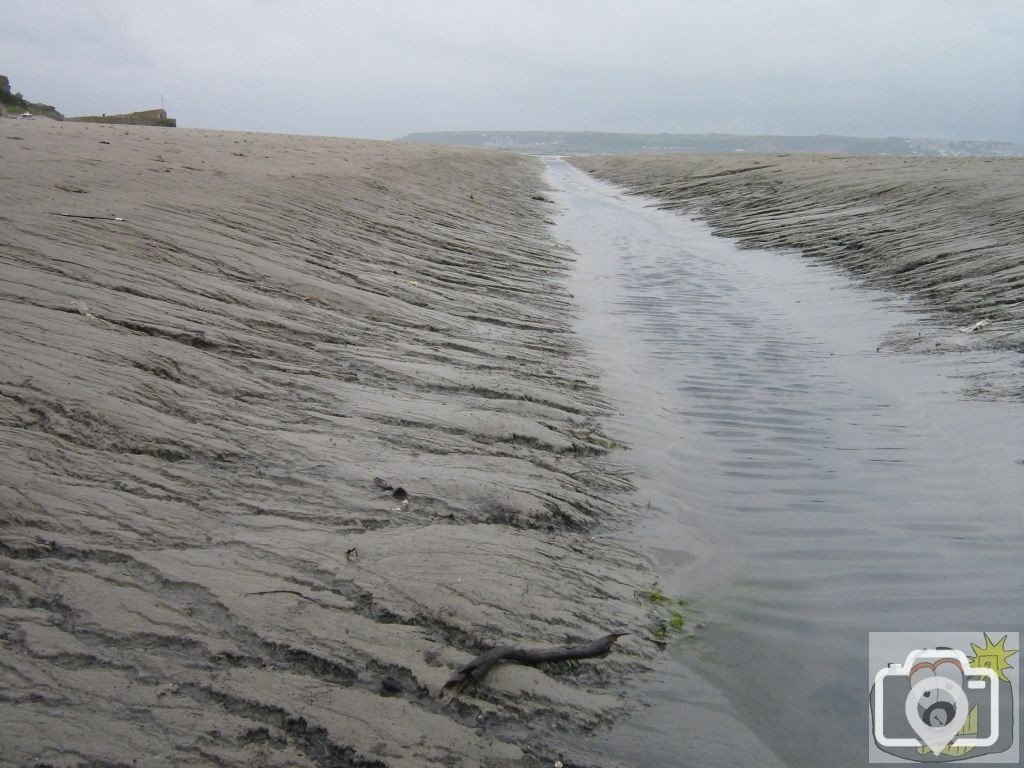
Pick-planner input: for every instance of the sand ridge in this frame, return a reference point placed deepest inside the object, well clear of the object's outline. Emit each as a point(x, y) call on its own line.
point(194, 404)
point(946, 231)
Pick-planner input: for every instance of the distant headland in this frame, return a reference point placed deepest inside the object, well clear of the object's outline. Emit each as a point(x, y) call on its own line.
point(13, 104)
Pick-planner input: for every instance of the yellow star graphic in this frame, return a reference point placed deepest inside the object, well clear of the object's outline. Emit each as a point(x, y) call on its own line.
point(992, 656)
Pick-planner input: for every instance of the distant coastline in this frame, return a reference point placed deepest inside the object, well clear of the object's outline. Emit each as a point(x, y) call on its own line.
point(584, 142)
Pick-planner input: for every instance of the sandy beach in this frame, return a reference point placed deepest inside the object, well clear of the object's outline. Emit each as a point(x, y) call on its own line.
point(293, 427)
point(946, 231)
point(301, 434)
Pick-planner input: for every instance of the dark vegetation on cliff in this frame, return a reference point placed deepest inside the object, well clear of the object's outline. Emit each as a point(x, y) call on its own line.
point(16, 102)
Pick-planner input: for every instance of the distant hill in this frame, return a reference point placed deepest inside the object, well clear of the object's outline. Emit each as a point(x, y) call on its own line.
point(576, 142)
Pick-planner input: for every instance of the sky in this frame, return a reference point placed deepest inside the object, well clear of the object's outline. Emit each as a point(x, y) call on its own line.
point(949, 69)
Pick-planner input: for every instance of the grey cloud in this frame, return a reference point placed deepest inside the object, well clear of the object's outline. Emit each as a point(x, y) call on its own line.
point(942, 68)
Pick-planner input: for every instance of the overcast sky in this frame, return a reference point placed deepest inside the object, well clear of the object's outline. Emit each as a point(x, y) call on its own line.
point(384, 68)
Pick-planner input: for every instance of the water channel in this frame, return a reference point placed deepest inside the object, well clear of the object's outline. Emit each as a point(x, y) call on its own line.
point(806, 486)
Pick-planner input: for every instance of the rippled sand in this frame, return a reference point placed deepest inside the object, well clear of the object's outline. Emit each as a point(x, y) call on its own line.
point(946, 230)
point(198, 565)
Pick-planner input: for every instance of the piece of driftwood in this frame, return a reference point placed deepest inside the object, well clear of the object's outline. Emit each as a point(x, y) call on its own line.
point(475, 670)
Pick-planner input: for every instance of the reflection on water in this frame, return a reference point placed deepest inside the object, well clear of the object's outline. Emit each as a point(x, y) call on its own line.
point(807, 487)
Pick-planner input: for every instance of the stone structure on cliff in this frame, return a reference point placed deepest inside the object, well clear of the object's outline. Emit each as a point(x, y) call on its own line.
point(145, 117)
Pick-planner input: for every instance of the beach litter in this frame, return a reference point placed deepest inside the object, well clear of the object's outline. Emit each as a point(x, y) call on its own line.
point(976, 326)
point(111, 217)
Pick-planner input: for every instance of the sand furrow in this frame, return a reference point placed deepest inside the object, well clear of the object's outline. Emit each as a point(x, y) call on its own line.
point(945, 230)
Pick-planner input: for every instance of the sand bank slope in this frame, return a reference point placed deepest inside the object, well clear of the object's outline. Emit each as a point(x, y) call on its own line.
point(948, 230)
point(198, 566)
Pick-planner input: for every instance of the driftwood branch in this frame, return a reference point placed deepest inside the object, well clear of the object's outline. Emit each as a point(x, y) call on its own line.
point(475, 670)
point(289, 592)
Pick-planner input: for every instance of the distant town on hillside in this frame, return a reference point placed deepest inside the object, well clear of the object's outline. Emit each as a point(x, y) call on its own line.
point(576, 142)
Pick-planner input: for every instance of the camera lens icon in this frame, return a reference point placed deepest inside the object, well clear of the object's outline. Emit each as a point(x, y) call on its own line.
point(936, 709)
point(937, 692)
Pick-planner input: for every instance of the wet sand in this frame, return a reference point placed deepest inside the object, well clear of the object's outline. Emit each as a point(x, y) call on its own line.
point(198, 565)
point(946, 231)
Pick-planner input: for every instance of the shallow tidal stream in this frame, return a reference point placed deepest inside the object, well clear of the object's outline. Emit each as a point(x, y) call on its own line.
point(806, 486)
